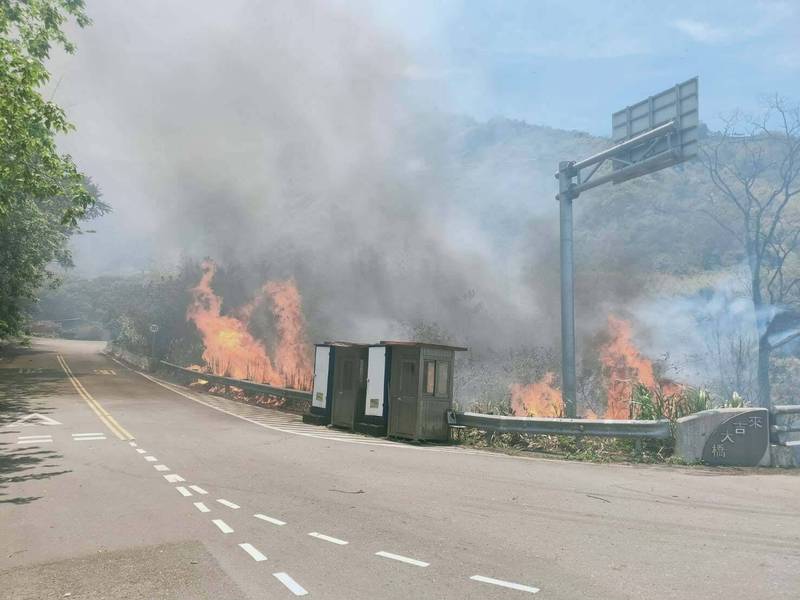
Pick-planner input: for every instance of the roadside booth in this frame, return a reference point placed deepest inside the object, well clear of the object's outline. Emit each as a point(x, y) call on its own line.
point(340, 374)
point(419, 388)
point(399, 389)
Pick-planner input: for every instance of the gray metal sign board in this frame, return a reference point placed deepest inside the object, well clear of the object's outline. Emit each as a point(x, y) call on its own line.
point(677, 106)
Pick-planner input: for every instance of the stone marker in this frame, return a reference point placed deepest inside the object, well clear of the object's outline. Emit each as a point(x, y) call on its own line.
point(740, 440)
point(715, 437)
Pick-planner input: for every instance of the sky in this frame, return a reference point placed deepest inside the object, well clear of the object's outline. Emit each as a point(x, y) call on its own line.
point(569, 65)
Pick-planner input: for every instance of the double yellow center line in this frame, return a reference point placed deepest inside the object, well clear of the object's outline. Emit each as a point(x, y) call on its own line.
point(101, 412)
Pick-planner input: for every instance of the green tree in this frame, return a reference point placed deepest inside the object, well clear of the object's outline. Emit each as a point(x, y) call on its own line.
point(43, 196)
point(33, 237)
point(30, 164)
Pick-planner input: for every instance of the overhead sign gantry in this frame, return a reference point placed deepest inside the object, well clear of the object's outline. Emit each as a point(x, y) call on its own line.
point(656, 133)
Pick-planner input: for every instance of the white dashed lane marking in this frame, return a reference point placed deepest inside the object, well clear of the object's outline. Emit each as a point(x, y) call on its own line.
point(150, 458)
point(223, 526)
point(253, 551)
point(202, 507)
point(505, 584)
point(173, 478)
point(34, 439)
point(141, 451)
point(133, 444)
point(290, 583)
point(269, 519)
point(161, 467)
point(405, 559)
point(227, 503)
point(327, 538)
point(198, 489)
point(183, 491)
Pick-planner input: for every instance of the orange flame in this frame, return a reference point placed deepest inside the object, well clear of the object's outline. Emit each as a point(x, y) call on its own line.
point(538, 399)
point(292, 352)
point(623, 368)
point(231, 350)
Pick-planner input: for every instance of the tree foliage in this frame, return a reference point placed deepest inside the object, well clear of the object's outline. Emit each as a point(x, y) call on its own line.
point(33, 237)
point(127, 306)
point(43, 195)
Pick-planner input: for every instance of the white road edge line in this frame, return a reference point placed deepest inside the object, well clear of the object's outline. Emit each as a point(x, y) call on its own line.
point(197, 489)
point(201, 507)
point(173, 478)
point(253, 551)
point(505, 584)
point(183, 491)
point(327, 538)
point(223, 526)
point(269, 519)
point(405, 559)
point(294, 587)
point(461, 451)
point(151, 459)
point(313, 435)
point(161, 467)
point(227, 503)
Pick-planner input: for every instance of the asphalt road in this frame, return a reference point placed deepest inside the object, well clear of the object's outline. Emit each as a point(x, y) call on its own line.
point(148, 490)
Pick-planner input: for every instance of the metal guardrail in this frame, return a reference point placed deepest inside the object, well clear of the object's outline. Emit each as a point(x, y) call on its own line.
point(785, 420)
point(786, 409)
point(250, 386)
point(656, 430)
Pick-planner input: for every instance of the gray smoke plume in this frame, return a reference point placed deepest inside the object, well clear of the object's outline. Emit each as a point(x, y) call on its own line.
point(281, 136)
point(283, 139)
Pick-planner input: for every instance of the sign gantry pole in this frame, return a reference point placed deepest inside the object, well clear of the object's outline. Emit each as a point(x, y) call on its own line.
point(568, 379)
point(653, 134)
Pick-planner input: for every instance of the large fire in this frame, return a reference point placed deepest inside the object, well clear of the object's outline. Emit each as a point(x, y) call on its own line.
point(623, 367)
point(539, 399)
point(230, 348)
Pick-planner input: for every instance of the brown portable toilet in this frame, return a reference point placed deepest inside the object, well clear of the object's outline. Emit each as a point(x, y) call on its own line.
point(340, 374)
point(349, 382)
point(420, 389)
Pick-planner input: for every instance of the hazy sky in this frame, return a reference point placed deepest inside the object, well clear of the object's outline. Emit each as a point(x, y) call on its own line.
point(570, 64)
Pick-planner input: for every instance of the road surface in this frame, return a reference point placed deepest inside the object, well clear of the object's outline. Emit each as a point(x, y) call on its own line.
point(124, 486)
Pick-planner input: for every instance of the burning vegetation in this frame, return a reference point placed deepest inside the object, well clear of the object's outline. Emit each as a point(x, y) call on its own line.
point(624, 371)
point(231, 350)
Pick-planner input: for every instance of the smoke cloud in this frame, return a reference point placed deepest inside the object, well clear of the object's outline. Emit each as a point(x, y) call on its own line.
point(287, 140)
point(283, 137)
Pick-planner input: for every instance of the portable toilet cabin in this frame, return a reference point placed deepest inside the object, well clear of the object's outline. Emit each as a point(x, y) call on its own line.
point(340, 376)
point(419, 388)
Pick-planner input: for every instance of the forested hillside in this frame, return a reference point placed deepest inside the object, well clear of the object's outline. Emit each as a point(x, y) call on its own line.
point(480, 254)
